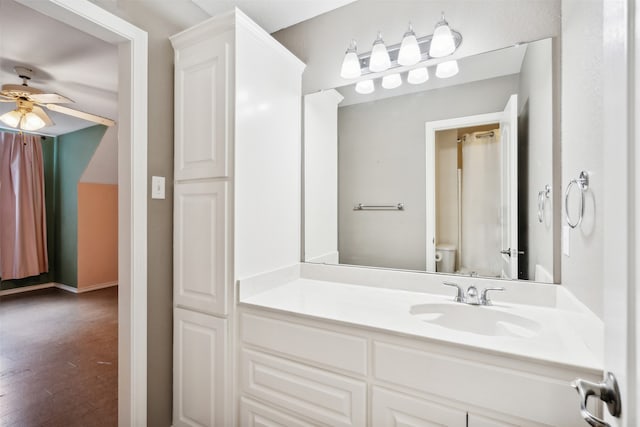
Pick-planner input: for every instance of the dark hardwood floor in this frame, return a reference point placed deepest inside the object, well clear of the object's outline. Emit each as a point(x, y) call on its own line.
point(59, 359)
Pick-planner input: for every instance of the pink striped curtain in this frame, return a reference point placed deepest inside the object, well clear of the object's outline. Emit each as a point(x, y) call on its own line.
point(23, 226)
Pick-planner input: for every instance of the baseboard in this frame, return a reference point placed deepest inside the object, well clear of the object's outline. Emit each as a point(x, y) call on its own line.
point(27, 288)
point(85, 288)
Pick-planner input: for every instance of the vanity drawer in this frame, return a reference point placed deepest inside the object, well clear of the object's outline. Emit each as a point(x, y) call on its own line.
point(254, 414)
point(391, 409)
point(320, 395)
point(535, 397)
point(315, 345)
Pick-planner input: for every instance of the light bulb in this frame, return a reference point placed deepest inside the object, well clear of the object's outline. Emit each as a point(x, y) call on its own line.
point(409, 50)
point(379, 60)
point(442, 43)
point(365, 87)
point(12, 118)
point(31, 121)
point(351, 63)
point(391, 81)
point(447, 69)
point(418, 76)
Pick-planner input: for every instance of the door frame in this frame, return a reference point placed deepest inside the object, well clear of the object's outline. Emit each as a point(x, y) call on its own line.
point(132, 45)
point(621, 201)
point(430, 174)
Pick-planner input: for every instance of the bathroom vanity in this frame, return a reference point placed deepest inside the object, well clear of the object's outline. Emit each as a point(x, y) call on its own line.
point(313, 351)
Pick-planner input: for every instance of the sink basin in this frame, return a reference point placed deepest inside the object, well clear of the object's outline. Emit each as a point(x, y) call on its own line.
point(481, 320)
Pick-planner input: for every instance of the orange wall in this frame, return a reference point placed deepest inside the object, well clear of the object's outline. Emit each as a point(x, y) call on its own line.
point(97, 234)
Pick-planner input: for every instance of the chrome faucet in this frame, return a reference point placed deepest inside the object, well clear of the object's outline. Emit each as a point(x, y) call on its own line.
point(471, 296)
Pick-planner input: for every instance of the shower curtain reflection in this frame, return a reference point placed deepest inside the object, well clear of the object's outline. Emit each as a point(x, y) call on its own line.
point(479, 215)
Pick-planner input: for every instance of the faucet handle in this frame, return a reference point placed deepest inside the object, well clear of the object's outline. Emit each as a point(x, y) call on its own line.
point(484, 299)
point(460, 296)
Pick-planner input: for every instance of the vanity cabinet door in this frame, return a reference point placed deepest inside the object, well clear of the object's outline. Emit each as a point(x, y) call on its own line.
point(199, 370)
point(200, 242)
point(392, 409)
point(203, 120)
point(476, 420)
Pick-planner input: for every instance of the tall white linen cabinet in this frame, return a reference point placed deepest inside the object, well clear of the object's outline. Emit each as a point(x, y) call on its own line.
point(237, 196)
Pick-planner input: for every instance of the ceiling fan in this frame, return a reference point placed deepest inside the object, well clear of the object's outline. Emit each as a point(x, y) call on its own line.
point(29, 114)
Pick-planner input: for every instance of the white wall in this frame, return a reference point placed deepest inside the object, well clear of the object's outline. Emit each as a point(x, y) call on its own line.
point(381, 154)
point(321, 176)
point(267, 155)
point(536, 88)
point(583, 144)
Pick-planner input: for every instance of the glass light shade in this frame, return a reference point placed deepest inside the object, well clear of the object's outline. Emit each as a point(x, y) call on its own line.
point(391, 81)
point(365, 87)
point(447, 69)
point(442, 43)
point(409, 50)
point(12, 118)
point(418, 76)
point(31, 121)
point(351, 64)
point(379, 60)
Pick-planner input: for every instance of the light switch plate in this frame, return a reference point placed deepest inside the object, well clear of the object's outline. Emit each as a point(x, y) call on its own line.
point(157, 187)
point(565, 239)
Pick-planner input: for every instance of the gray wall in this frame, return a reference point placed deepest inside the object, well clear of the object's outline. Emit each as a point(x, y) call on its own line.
point(582, 144)
point(381, 152)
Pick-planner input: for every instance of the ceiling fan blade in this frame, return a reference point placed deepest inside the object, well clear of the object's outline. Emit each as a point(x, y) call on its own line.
point(44, 116)
point(49, 98)
point(80, 114)
point(5, 98)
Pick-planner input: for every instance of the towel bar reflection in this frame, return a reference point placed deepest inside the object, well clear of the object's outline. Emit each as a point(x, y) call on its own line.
point(391, 207)
point(542, 198)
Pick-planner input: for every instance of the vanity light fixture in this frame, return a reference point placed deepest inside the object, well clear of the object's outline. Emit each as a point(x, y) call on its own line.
point(447, 69)
point(443, 43)
point(391, 81)
point(418, 76)
point(409, 53)
point(365, 87)
point(351, 64)
point(380, 60)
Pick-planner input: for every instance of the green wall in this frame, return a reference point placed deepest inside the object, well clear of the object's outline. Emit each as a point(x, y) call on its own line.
point(74, 152)
point(65, 158)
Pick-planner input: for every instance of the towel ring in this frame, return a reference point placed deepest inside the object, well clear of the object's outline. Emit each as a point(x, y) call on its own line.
point(542, 197)
point(582, 183)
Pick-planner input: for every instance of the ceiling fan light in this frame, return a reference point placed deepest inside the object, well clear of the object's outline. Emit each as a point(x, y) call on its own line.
point(391, 81)
point(447, 69)
point(351, 63)
point(379, 60)
point(31, 121)
point(442, 42)
point(12, 118)
point(409, 50)
point(418, 76)
point(365, 87)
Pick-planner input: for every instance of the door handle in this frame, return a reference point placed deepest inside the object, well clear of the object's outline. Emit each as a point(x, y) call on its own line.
point(511, 252)
point(606, 390)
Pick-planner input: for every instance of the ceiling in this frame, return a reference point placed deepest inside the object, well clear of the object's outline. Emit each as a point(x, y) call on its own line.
point(85, 69)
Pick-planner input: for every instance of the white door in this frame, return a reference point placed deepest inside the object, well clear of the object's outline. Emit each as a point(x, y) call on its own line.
point(509, 188)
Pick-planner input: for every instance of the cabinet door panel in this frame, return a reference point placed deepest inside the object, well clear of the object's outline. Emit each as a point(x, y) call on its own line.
point(202, 108)
point(392, 409)
point(200, 241)
point(199, 371)
point(254, 414)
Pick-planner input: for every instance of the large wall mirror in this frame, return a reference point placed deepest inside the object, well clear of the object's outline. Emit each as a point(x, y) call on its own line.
point(453, 175)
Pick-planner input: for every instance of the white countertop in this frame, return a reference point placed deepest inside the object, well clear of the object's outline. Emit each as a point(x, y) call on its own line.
point(559, 338)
